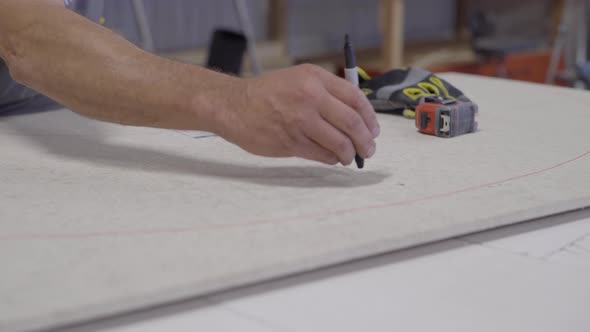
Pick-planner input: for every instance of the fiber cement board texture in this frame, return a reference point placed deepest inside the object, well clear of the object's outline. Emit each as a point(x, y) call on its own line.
point(98, 219)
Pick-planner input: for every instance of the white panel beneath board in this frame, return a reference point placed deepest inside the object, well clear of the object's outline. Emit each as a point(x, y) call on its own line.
point(96, 219)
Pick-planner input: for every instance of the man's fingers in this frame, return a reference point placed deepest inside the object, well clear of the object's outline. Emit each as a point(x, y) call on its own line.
point(310, 150)
point(331, 139)
point(351, 124)
point(355, 99)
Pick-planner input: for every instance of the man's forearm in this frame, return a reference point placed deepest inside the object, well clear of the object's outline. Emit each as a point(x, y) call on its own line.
point(302, 111)
point(99, 74)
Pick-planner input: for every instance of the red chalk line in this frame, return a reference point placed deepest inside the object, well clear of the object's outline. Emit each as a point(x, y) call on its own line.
point(178, 230)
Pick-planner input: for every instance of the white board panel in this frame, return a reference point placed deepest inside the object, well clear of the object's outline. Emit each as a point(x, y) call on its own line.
point(98, 219)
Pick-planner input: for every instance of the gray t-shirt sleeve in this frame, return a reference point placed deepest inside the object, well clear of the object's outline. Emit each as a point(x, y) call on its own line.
point(11, 92)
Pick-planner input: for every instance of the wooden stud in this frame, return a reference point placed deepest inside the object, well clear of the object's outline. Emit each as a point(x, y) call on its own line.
point(393, 33)
point(277, 22)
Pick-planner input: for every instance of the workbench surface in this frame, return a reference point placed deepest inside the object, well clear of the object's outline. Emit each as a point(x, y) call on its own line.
point(99, 219)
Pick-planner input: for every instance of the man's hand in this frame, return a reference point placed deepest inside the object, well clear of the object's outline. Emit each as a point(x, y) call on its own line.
point(298, 112)
point(304, 112)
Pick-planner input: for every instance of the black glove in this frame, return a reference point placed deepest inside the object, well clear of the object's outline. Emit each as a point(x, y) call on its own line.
point(401, 90)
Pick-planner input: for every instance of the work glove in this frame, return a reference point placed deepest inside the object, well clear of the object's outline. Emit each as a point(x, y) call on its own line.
point(400, 91)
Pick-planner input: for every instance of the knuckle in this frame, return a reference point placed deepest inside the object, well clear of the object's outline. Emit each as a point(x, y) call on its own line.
point(330, 160)
point(311, 68)
point(344, 149)
point(348, 161)
point(308, 87)
point(358, 101)
point(309, 91)
point(354, 123)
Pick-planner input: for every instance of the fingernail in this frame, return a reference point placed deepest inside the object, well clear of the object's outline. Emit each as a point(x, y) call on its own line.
point(376, 132)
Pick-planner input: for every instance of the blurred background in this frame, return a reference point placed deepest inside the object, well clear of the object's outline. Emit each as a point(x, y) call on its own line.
point(542, 41)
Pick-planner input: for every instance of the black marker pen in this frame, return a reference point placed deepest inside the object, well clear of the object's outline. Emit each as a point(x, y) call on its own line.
point(352, 75)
